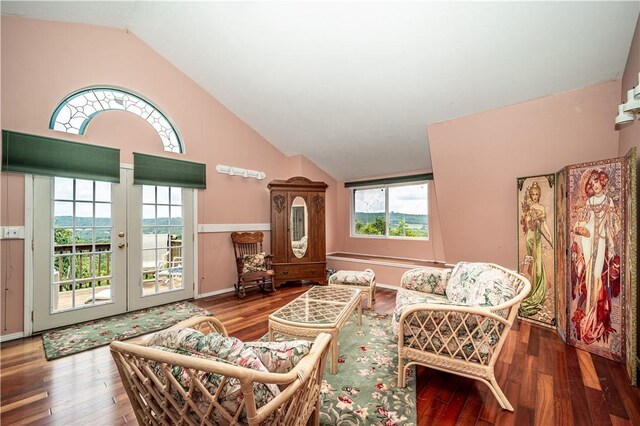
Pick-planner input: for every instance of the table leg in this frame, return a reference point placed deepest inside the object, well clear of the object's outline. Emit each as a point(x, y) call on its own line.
point(270, 333)
point(334, 352)
point(359, 313)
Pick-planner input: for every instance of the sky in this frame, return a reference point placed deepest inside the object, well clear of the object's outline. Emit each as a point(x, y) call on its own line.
point(411, 199)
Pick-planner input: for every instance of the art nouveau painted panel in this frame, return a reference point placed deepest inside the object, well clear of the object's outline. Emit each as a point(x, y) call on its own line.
point(596, 237)
point(536, 220)
point(631, 265)
point(561, 254)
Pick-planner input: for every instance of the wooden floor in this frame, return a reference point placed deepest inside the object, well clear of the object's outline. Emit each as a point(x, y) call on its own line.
point(547, 382)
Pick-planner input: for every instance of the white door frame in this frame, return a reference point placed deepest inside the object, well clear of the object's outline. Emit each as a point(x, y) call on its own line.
point(28, 250)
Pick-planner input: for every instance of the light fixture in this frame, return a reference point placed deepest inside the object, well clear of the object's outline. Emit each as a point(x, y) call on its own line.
point(623, 117)
point(632, 105)
point(238, 171)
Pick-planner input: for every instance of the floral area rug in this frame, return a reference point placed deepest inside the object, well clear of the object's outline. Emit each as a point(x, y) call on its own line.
point(365, 391)
point(88, 335)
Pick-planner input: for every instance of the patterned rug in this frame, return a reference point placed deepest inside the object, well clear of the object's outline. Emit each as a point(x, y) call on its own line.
point(364, 391)
point(88, 335)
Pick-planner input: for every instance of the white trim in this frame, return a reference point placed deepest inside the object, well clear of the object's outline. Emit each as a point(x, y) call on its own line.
point(28, 255)
point(383, 263)
point(388, 286)
point(196, 281)
point(231, 227)
point(126, 166)
point(7, 337)
point(216, 292)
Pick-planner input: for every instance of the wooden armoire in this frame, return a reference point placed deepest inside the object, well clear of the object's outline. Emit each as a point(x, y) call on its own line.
point(298, 244)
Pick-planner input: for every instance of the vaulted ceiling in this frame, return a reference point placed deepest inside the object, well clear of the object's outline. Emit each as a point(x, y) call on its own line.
point(353, 85)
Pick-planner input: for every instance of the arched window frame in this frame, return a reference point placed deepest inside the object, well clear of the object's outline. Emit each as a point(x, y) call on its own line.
point(75, 112)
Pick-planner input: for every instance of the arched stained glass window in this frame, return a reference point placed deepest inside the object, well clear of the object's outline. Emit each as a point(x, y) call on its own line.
point(76, 110)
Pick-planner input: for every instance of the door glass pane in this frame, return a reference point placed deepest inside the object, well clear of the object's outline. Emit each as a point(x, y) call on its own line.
point(81, 244)
point(161, 239)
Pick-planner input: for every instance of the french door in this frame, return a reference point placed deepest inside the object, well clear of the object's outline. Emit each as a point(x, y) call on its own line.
point(102, 248)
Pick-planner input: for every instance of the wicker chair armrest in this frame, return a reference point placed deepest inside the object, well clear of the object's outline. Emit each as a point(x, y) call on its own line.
point(484, 311)
point(204, 324)
point(471, 333)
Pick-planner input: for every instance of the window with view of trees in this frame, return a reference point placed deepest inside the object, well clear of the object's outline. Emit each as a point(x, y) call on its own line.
point(391, 211)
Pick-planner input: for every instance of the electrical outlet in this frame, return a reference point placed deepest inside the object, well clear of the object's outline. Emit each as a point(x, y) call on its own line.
point(12, 232)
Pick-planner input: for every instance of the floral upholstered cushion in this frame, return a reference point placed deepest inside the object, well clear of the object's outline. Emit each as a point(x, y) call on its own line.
point(478, 284)
point(428, 280)
point(280, 357)
point(253, 263)
point(406, 298)
point(216, 347)
point(359, 278)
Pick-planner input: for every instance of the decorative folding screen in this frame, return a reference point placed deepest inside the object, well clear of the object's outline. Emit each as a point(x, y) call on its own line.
point(596, 273)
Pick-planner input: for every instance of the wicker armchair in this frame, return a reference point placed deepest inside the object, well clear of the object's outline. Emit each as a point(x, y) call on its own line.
point(148, 375)
point(463, 336)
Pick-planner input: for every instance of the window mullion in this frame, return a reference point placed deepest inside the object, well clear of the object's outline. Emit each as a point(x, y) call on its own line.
point(386, 209)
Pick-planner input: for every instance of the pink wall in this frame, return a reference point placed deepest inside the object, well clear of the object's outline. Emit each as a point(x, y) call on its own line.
point(302, 166)
point(630, 133)
point(414, 249)
point(43, 61)
point(476, 161)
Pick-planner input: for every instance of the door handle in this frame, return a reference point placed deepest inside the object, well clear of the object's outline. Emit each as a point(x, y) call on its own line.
point(121, 245)
point(120, 234)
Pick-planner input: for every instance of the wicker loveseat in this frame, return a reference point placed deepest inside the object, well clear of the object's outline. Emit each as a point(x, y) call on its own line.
point(185, 375)
point(457, 320)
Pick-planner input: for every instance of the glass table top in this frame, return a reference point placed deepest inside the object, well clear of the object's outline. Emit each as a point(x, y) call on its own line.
point(319, 305)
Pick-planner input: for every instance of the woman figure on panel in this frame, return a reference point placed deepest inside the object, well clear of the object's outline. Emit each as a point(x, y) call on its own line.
point(595, 266)
point(534, 225)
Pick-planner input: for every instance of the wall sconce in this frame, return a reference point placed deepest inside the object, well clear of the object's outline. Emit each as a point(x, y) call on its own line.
point(238, 171)
point(630, 110)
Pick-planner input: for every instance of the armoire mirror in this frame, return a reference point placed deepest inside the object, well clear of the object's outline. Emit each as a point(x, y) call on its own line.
point(299, 224)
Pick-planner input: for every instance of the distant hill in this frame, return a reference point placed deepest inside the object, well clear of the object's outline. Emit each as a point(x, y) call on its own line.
point(82, 222)
point(409, 219)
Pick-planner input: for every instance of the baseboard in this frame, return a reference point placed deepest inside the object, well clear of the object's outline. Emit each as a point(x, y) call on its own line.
point(215, 293)
point(390, 263)
point(387, 286)
point(13, 336)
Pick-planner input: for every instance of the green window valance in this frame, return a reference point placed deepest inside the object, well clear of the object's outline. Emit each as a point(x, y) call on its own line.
point(390, 181)
point(152, 170)
point(41, 155)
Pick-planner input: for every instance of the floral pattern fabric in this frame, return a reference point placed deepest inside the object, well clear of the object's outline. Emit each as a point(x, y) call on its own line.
point(359, 278)
point(253, 263)
point(427, 280)
point(477, 284)
point(280, 357)
point(365, 390)
point(88, 335)
point(214, 346)
point(406, 298)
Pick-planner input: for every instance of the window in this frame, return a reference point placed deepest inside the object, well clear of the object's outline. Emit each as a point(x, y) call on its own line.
point(74, 113)
point(391, 211)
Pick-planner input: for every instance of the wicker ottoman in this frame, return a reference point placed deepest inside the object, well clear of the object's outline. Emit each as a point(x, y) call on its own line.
point(363, 280)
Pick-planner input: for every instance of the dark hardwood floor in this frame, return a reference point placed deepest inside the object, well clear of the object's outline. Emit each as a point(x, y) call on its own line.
point(547, 382)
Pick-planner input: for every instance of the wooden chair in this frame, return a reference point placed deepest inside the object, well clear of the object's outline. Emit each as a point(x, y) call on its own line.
point(247, 246)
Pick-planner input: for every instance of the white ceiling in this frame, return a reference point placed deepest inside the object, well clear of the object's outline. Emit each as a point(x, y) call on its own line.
point(353, 85)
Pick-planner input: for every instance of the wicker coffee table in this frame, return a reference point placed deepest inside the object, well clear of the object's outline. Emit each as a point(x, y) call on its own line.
point(319, 310)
